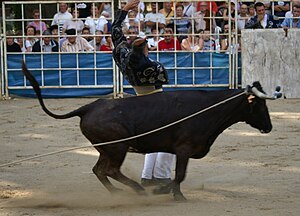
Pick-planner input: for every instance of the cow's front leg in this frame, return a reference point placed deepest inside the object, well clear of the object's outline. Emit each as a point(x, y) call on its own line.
point(181, 165)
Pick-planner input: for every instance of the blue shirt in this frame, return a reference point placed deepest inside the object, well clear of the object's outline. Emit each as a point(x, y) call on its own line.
point(288, 22)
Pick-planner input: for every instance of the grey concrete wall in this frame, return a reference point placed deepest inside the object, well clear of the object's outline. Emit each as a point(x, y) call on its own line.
point(273, 59)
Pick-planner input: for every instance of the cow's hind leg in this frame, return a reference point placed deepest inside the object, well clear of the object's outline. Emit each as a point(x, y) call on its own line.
point(108, 165)
point(100, 171)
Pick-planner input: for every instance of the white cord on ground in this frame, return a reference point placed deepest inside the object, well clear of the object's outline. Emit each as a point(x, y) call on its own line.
point(124, 139)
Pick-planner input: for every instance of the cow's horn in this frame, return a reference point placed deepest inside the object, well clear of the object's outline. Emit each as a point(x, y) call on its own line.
point(260, 94)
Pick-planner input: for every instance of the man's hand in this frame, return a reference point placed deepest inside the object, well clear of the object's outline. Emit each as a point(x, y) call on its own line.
point(260, 17)
point(131, 4)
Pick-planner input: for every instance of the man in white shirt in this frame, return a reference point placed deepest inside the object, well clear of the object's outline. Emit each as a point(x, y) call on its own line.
point(61, 16)
point(154, 18)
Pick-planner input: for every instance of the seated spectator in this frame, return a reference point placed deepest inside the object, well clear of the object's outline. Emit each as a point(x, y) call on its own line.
point(21, 41)
point(167, 11)
point(11, 45)
point(54, 31)
point(138, 19)
point(154, 18)
point(280, 8)
point(181, 23)
point(251, 10)
point(75, 43)
point(108, 19)
point(61, 17)
point(108, 45)
point(74, 23)
point(191, 43)
point(46, 44)
point(37, 23)
point(169, 43)
point(95, 21)
point(98, 40)
point(261, 19)
point(289, 14)
point(153, 39)
point(294, 21)
point(242, 17)
point(132, 34)
point(225, 39)
point(131, 20)
point(202, 19)
point(206, 42)
point(86, 34)
point(30, 38)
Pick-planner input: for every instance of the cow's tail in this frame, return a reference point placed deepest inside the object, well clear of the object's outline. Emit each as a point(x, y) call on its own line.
point(37, 89)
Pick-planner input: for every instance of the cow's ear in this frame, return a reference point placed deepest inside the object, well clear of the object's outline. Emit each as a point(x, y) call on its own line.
point(250, 98)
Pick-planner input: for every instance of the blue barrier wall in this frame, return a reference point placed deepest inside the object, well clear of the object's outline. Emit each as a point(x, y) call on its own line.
point(96, 70)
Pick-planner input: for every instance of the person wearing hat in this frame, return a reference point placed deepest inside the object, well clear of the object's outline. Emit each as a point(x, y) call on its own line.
point(46, 43)
point(146, 77)
point(75, 43)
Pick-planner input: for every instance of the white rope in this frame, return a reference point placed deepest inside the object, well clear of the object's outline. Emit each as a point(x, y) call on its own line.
point(124, 139)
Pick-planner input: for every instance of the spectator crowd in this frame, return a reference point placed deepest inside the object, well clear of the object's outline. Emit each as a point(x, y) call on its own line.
point(190, 26)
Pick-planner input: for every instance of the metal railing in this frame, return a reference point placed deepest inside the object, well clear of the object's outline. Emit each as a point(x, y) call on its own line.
point(118, 85)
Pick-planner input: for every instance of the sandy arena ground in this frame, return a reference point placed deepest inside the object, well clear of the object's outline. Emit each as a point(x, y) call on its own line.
point(245, 173)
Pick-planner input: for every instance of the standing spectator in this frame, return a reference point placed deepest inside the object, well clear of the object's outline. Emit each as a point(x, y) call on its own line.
point(191, 43)
point(181, 23)
point(95, 21)
point(188, 9)
point(61, 16)
point(136, 20)
point(154, 18)
point(74, 23)
point(294, 21)
point(11, 45)
point(211, 5)
point(75, 43)
point(46, 44)
point(280, 8)
point(169, 43)
point(37, 23)
point(242, 17)
point(154, 39)
point(167, 11)
point(108, 45)
point(261, 19)
point(31, 38)
point(229, 17)
point(202, 19)
point(98, 40)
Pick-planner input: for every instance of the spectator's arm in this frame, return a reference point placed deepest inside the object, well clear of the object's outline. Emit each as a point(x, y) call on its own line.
point(251, 24)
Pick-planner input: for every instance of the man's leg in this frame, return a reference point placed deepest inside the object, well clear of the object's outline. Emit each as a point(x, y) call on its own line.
point(147, 173)
point(163, 166)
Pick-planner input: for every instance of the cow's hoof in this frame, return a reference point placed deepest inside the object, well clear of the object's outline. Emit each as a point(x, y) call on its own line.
point(116, 191)
point(179, 197)
point(142, 193)
point(162, 189)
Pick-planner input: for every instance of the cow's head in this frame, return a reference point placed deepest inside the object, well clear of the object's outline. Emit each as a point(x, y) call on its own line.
point(258, 115)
